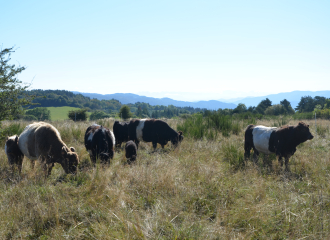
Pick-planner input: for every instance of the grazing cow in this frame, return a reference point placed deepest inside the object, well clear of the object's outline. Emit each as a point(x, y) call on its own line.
point(42, 141)
point(131, 151)
point(281, 141)
point(99, 142)
point(153, 130)
point(120, 130)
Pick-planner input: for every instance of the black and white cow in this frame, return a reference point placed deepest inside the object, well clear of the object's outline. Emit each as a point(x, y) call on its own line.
point(120, 130)
point(153, 130)
point(99, 142)
point(281, 141)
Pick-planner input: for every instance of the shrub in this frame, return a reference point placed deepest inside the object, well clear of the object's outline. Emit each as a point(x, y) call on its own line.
point(98, 115)
point(78, 115)
point(40, 113)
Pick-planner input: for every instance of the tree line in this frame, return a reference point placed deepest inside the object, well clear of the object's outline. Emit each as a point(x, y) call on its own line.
point(17, 102)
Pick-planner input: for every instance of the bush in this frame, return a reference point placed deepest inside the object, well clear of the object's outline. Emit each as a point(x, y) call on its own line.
point(40, 113)
point(29, 118)
point(125, 112)
point(199, 127)
point(78, 115)
point(98, 115)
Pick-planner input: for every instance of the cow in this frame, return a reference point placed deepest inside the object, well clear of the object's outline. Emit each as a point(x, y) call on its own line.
point(153, 130)
point(99, 142)
point(282, 141)
point(41, 141)
point(131, 151)
point(120, 130)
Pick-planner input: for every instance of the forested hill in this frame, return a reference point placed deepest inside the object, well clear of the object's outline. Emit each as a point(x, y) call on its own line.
point(61, 98)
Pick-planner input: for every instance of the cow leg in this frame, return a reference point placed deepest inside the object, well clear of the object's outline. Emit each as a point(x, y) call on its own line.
point(154, 145)
point(32, 163)
point(255, 156)
point(50, 167)
point(137, 143)
point(247, 149)
point(280, 160)
point(287, 164)
point(19, 164)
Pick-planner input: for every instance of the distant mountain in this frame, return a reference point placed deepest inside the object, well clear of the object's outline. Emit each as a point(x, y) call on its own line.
point(126, 98)
point(293, 97)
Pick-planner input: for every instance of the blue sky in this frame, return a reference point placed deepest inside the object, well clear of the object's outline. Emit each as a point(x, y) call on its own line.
point(186, 50)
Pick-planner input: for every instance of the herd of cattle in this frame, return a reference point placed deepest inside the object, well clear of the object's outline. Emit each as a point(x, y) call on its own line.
point(42, 141)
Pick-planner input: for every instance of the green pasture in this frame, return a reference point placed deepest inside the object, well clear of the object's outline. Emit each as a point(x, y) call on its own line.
point(61, 113)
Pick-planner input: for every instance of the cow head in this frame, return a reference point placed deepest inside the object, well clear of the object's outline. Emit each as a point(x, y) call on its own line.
point(71, 159)
point(104, 157)
point(303, 133)
point(12, 150)
point(177, 139)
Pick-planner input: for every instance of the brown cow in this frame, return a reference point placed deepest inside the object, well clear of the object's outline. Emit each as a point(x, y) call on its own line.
point(281, 141)
point(42, 141)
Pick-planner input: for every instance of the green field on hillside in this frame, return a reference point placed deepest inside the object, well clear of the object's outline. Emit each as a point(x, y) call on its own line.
point(61, 113)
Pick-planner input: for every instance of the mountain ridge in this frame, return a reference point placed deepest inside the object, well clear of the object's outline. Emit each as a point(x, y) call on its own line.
point(293, 97)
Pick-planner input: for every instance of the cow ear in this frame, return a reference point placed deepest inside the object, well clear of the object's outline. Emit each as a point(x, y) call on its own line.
point(72, 149)
point(16, 139)
point(64, 152)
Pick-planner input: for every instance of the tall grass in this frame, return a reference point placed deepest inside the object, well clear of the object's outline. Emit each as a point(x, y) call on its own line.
point(199, 190)
point(209, 127)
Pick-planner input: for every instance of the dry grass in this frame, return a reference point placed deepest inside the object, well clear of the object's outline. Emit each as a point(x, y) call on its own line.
point(198, 191)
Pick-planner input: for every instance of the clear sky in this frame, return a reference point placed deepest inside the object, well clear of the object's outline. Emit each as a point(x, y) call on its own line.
point(186, 50)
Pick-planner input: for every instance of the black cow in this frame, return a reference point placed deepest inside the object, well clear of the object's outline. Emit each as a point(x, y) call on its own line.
point(99, 142)
point(153, 130)
point(131, 151)
point(281, 141)
point(120, 129)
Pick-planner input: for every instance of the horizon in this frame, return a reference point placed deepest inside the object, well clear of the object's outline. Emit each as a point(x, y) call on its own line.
point(193, 50)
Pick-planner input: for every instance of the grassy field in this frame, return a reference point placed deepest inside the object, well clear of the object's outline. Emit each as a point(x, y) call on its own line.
point(61, 113)
point(196, 191)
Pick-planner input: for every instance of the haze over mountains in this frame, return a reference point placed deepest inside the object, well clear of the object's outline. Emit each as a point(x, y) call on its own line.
point(125, 98)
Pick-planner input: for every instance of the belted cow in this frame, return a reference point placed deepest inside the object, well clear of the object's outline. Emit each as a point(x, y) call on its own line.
point(41, 141)
point(99, 142)
point(153, 130)
point(282, 141)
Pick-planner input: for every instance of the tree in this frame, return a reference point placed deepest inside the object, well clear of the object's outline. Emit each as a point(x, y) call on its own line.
point(241, 108)
point(78, 115)
point(12, 97)
point(306, 104)
point(125, 112)
point(287, 106)
point(263, 105)
point(41, 113)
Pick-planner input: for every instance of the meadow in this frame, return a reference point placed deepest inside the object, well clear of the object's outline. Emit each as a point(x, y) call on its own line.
point(61, 113)
point(200, 190)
